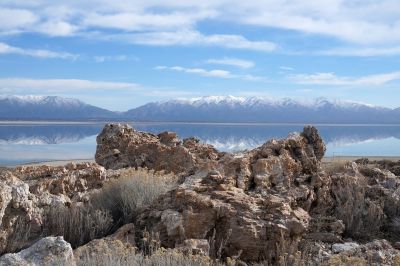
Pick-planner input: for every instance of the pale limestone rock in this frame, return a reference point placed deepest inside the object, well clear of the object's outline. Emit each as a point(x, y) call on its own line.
point(47, 251)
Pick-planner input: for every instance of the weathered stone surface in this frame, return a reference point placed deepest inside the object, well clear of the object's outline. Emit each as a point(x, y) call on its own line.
point(119, 244)
point(120, 146)
point(261, 204)
point(343, 247)
point(27, 193)
point(254, 202)
point(47, 251)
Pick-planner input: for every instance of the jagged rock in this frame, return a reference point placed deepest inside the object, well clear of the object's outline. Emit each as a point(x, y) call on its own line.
point(343, 247)
point(27, 193)
point(47, 251)
point(252, 202)
point(120, 146)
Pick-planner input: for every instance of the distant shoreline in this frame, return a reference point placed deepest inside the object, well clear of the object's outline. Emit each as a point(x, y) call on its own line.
point(325, 160)
point(88, 122)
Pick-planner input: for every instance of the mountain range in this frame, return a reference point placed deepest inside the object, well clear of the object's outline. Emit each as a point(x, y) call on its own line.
point(216, 109)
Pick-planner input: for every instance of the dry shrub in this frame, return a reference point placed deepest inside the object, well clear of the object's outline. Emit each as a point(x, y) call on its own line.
point(362, 216)
point(116, 203)
point(345, 260)
point(159, 258)
point(335, 166)
point(132, 191)
point(78, 224)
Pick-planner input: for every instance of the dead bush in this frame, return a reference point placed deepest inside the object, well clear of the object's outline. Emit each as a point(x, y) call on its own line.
point(362, 216)
point(160, 258)
point(335, 166)
point(133, 190)
point(78, 224)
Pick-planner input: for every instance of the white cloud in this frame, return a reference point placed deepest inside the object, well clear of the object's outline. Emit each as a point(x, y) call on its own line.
point(57, 28)
point(15, 19)
point(191, 37)
point(7, 49)
point(355, 21)
point(362, 51)
point(232, 62)
point(62, 85)
point(286, 68)
point(369, 28)
point(334, 80)
point(131, 21)
point(216, 73)
point(105, 58)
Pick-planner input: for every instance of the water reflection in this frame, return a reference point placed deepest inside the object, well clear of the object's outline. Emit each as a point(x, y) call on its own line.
point(26, 143)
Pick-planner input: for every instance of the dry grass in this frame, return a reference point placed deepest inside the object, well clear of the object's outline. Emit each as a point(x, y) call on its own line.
point(117, 203)
point(132, 191)
point(159, 258)
point(335, 166)
point(78, 224)
point(345, 260)
point(362, 216)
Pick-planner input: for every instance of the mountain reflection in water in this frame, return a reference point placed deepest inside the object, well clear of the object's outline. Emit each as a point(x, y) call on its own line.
point(44, 142)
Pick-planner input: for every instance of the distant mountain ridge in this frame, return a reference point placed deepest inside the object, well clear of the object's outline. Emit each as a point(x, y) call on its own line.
point(49, 108)
point(216, 109)
point(263, 110)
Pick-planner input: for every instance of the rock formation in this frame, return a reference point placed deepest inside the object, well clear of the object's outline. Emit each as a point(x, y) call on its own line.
point(27, 193)
point(121, 146)
point(47, 251)
point(275, 203)
point(256, 203)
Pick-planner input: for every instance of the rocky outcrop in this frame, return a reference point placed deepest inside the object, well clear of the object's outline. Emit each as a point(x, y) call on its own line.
point(120, 146)
point(256, 204)
point(47, 251)
point(27, 193)
point(274, 203)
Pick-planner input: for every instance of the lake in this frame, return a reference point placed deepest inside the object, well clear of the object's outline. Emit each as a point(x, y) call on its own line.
point(26, 143)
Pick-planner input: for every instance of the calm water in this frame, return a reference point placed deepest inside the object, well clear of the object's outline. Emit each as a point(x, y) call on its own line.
point(43, 142)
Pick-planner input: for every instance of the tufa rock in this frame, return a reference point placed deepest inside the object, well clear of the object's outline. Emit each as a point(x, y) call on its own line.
point(120, 146)
point(255, 204)
point(47, 251)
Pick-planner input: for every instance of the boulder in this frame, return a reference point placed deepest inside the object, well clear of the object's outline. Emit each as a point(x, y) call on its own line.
point(27, 193)
point(120, 146)
point(255, 204)
point(343, 247)
point(47, 251)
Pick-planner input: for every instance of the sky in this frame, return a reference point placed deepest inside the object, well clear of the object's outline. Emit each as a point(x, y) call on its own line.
point(122, 54)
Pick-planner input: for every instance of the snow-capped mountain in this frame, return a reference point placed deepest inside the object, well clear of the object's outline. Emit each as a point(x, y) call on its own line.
point(203, 109)
point(49, 107)
point(265, 110)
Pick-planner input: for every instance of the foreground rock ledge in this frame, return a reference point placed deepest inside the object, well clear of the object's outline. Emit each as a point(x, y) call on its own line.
point(257, 203)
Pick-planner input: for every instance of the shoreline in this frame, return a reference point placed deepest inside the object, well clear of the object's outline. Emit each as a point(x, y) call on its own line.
point(61, 122)
point(325, 160)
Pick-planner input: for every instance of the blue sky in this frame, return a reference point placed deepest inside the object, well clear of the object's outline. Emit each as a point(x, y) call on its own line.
point(121, 55)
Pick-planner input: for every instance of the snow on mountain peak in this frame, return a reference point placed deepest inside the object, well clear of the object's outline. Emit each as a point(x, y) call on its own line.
point(35, 99)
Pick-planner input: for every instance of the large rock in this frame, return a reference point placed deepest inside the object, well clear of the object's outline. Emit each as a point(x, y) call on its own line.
point(256, 204)
point(120, 146)
point(27, 193)
point(47, 251)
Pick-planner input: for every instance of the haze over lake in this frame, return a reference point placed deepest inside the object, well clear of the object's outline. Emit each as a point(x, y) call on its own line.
point(25, 143)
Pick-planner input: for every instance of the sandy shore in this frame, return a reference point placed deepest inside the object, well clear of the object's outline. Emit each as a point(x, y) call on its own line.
point(55, 163)
point(353, 158)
